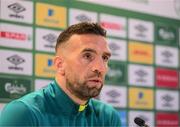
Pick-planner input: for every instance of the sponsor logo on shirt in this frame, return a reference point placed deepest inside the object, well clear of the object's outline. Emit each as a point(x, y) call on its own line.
point(166, 78)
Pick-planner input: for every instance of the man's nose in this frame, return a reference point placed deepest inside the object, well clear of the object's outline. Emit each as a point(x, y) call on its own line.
point(99, 66)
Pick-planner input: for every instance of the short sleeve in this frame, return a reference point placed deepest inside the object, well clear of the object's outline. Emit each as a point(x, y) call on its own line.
point(16, 113)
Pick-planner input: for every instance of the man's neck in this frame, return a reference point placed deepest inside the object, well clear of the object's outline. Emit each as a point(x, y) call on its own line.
point(62, 85)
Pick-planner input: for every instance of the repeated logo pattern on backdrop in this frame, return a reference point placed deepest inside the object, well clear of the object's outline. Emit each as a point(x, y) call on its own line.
point(144, 71)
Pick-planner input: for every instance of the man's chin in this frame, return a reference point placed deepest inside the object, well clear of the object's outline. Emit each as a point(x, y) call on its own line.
point(96, 85)
point(94, 91)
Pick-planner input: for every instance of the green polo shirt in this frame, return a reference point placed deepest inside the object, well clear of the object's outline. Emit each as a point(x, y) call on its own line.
point(50, 106)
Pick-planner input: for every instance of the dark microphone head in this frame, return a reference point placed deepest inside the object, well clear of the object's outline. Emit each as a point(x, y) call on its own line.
point(139, 121)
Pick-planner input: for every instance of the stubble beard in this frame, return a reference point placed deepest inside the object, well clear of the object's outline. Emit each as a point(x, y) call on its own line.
point(82, 90)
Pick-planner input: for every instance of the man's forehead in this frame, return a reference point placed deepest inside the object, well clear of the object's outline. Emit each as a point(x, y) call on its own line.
point(87, 37)
point(89, 41)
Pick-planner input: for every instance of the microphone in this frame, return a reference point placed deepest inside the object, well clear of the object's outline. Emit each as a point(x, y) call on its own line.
point(140, 122)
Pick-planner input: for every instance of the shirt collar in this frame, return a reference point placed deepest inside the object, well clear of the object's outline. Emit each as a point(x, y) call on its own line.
point(64, 102)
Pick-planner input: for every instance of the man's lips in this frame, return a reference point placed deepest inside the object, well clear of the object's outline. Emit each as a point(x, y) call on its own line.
point(95, 80)
point(95, 83)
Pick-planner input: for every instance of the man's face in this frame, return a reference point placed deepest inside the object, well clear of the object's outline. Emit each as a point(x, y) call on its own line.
point(86, 63)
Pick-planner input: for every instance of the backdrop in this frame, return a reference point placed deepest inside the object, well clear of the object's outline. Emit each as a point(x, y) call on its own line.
point(143, 35)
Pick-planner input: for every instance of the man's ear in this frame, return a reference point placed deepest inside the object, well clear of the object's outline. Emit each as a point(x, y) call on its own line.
point(59, 65)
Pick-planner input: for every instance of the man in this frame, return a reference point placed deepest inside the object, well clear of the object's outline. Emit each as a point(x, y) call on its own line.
point(81, 61)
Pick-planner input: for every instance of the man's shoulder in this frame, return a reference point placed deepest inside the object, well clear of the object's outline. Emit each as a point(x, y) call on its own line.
point(16, 113)
point(33, 100)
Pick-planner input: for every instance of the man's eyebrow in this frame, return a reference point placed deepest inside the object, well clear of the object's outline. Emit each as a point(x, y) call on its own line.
point(89, 50)
point(108, 54)
point(94, 51)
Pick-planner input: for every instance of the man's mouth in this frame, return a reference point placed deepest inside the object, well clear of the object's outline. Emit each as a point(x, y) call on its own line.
point(95, 82)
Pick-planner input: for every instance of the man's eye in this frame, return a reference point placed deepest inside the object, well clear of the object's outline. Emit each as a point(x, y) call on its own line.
point(88, 56)
point(106, 58)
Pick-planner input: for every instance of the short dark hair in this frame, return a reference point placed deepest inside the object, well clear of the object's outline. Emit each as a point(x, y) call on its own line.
point(80, 28)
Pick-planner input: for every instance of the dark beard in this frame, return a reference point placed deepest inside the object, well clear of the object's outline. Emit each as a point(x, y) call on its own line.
point(82, 91)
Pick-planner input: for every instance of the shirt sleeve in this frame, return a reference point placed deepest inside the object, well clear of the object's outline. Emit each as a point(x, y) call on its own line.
point(16, 113)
